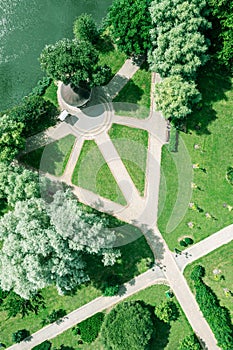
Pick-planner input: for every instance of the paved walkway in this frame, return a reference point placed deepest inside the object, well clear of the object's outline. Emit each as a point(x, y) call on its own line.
point(140, 211)
point(146, 279)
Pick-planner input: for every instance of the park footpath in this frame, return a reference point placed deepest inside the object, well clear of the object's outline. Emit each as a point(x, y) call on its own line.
point(140, 211)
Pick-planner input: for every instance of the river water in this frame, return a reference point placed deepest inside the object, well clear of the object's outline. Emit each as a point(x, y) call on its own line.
point(26, 26)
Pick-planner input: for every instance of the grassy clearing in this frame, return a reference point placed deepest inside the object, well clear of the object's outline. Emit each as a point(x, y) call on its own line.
point(211, 129)
point(134, 99)
point(52, 158)
point(131, 145)
point(51, 94)
point(168, 336)
point(92, 173)
point(219, 259)
point(111, 56)
point(131, 264)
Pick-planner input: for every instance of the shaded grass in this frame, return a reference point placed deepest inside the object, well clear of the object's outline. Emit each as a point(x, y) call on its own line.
point(134, 99)
point(92, 173)
point(113, 58)
point(128, 266)
point(221, 259)
point(212, 131)
point(51, 94)
point(166, 337)
point(132, 144)
point(52, 158)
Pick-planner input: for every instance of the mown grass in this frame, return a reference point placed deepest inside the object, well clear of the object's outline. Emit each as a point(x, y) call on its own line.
point(211, 129)
point(131, 264)
point(52, 158)
point(51, 94)
point(134, 99)
point(220, 259)
point(92, 173)
point(132, 144)
point(167, 336)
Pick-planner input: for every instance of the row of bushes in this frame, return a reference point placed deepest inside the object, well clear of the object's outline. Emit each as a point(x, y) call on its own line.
point(217, 316)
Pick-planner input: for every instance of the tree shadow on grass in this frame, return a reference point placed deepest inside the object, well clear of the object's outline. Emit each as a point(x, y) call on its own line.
point(213, 82)
point(130, 93)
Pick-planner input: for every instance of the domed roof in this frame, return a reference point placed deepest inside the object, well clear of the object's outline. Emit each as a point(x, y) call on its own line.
point(75, 97)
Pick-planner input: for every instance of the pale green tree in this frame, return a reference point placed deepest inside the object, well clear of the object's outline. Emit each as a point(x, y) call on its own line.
point(174, 97)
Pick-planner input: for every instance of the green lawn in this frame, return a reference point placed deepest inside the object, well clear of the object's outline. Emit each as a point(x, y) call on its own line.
point(221, 259)
point(211, 129)
point(113, 58)
point(131, 264)
point(51, 94)
point(92, 173)
point(52, 158)
point(134, 99)
point(131, 145)
point(168, 336)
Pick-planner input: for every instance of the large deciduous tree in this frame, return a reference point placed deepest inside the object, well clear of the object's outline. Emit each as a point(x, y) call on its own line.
point(175, 97)
point(85, 28)
point(71, 61)
point(128, 326)
point(130, 24)
point(43, 244)
point(179, 44)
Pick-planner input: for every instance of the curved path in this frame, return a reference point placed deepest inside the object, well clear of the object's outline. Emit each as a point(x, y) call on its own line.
point(140, 211)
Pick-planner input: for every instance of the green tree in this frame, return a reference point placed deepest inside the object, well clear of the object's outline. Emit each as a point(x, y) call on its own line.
point(14, 304)
point(127, 326)
point(43, 244)
point(20, 335)
point(179, 44)
point(129, 25)
point(175, 97)
point(85, 28)
point(11, 140)
point(71, 61)
point(167, 311)
point(190, 342)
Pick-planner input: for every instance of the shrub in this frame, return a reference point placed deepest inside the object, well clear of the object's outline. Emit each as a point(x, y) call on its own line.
point(188, 240)
point(190, 342)
point(54, 316)
point(167, 311)
point(20, 335)
point(41, 87)
point(89, 329)
point(183, 243)
point(197, 273)
point(46, 345)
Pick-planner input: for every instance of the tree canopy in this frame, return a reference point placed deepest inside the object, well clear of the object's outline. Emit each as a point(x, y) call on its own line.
point(85, 28)
point(71, 61)
point(190, 342)
point(129, 24)
point(128, 326)
point(43, 245)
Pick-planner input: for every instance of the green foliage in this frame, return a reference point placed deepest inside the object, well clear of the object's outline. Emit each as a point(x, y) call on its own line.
point(128, 326)
point(217, 316)
point(54, 316)
point(172, 146)
point(197, 273)
point(36, 238)
point(85, 28)
point(175, 97)
point(46, 345)
point(14, 304)
point(17, 184)
point(20, 335)
point(190, 342)
point(179, 45)
point(230, 175)
point(41, 86)
point(129, 25)
point(110, 291)
point(73, 62)
point(89, 329)
point(11, 140)
point(183, 243)
point(188, 240)
point(35, 113)
point(167, 311)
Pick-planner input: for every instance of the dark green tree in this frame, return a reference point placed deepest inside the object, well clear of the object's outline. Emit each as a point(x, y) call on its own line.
point(20, 335)
point(130, 24)
point(190, 342)
point(71, 61)
point(128, 326)
point(85, 28)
